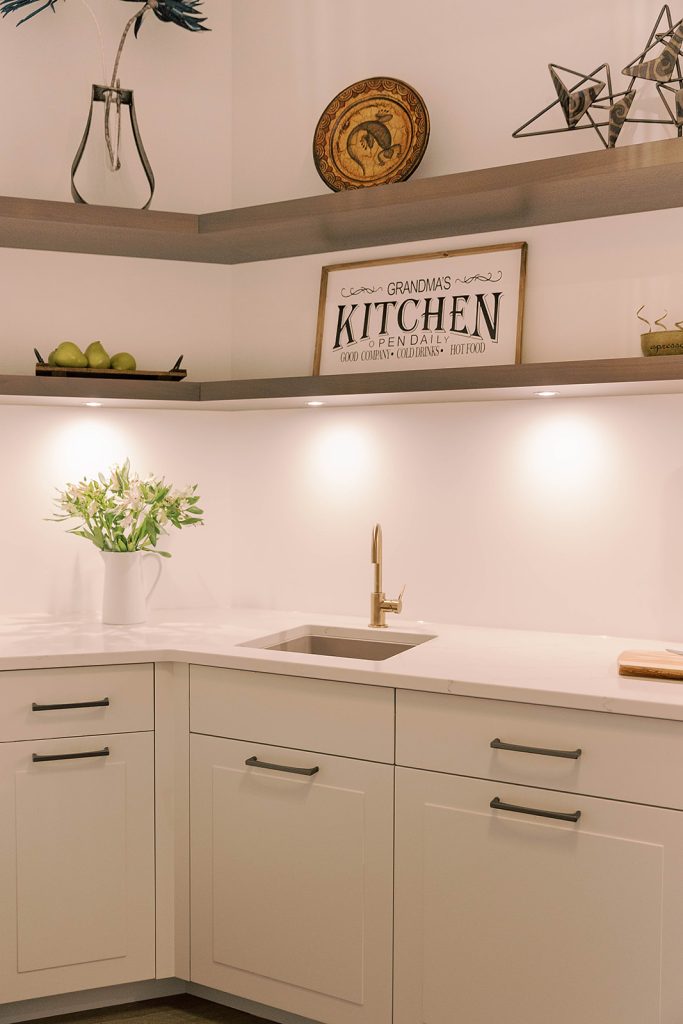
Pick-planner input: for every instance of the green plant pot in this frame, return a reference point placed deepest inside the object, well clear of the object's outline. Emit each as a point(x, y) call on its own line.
point(662, 343)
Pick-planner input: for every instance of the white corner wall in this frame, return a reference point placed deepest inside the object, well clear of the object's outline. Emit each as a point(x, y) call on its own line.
point(555, 515)
point(182, 83)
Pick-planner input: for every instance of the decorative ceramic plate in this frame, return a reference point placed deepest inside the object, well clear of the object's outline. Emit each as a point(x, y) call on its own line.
point(374, 132)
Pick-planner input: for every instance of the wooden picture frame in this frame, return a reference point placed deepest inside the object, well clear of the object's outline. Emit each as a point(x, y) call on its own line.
point(461, 307)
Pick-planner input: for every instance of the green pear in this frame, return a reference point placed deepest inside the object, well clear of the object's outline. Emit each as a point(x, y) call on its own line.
point(123, 361)
point(68, 354)
point(97, 357)
point(51, 361)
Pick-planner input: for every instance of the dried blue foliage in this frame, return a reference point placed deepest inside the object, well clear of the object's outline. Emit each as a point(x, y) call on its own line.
point(11, 6)
point(184, 13)
point(177, 12)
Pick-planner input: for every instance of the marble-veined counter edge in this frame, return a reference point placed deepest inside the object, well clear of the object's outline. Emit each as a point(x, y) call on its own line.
point(562, 670)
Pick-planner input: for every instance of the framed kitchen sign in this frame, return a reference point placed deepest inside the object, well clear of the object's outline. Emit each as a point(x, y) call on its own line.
point(445, 309)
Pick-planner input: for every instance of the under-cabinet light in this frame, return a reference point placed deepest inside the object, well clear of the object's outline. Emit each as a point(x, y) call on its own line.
point(315, 403)
point(94, 405)
point(546, 394)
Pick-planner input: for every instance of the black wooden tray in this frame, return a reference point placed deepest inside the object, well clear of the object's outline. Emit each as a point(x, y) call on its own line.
point(43, 369)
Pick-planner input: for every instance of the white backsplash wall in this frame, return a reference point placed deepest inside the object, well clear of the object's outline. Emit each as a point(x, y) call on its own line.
point(547, 514)
point(44, 569)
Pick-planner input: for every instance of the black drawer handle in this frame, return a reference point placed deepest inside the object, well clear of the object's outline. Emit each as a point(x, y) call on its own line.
point(71, 757)
point(498, 744)
point(104, 703)
point(254, 762)
point(498, 805)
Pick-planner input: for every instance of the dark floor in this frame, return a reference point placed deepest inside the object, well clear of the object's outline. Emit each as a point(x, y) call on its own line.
point(182, 1009)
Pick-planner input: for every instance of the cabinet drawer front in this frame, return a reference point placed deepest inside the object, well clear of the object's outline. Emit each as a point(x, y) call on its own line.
point(112, 698)
point(616, 756)
point(288, 711)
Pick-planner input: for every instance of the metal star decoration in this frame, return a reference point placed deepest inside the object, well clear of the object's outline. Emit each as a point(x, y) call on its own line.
point(591, 102)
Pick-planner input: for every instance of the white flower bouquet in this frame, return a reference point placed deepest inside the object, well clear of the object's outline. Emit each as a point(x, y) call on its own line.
point(123, 512)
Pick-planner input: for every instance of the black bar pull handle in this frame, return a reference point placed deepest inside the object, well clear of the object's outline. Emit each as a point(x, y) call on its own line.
point(104, 703)
point(498, 805)
point(498, 744)
point(254, 762)
point(70, 757)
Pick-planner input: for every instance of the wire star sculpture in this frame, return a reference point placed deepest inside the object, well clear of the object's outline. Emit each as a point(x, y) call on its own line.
point(591, 102)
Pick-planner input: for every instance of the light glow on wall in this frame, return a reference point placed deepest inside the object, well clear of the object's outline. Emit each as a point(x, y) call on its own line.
point(563, 454)
point(86, 445)
point(340, 456)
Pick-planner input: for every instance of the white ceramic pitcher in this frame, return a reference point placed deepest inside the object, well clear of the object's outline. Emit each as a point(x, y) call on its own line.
point(125, 595)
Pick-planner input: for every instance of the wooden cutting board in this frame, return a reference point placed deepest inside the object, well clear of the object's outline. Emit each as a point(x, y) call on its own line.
point(651, 664)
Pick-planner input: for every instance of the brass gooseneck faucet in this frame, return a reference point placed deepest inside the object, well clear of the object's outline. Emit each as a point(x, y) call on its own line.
point(379, 605)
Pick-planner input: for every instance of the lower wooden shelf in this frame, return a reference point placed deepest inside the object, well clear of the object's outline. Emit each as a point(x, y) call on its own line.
point(591, 377)
point(465, 381)
point(78, 390)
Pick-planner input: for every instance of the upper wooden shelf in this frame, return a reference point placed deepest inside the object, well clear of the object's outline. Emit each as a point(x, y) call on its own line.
point(639, 375)
point(631, 179)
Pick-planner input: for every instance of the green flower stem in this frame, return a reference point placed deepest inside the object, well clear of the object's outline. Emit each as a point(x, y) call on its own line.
point(124, 513)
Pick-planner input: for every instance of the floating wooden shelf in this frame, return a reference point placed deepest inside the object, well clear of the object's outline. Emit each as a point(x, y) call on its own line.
point(82, 389)
point(605, 183)
point(626, 180)
point(461, 382)
point(637, 375)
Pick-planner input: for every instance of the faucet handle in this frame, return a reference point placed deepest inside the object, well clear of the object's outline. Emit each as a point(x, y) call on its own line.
point(397, 605)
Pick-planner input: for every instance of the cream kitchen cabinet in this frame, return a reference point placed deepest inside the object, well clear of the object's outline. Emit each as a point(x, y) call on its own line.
point(292, 853)
point(534, 904)
point(77, 836)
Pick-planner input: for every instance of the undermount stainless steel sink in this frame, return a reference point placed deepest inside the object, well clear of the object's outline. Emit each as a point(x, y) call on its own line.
point(328, 642)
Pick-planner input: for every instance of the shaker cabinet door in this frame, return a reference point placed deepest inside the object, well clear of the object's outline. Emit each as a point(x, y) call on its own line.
point(76, 864)
point(506, 915)
point(292, 879)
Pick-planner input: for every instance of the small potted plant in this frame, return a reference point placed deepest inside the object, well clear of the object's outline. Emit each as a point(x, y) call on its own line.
point(124, 516)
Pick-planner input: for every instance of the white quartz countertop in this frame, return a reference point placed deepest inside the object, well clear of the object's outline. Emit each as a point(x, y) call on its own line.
point(564, 670)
